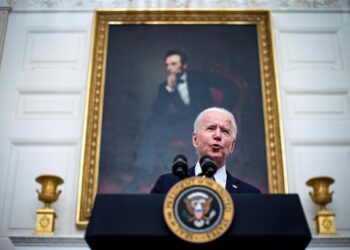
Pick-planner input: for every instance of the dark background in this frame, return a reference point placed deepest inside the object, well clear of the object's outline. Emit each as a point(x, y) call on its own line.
point(135, 68)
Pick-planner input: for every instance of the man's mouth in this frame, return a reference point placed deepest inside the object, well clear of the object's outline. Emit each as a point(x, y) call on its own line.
point(215, 146)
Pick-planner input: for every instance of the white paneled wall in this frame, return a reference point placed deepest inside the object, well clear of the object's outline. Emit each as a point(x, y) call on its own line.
point(42, 87)
point(324, 158)
point(43, 80)
point(314, 69)
point(318, 105)
point(28, 159)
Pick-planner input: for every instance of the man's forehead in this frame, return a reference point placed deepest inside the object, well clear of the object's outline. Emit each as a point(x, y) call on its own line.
point(173, 58)
point(224, 124)
point(215, 118)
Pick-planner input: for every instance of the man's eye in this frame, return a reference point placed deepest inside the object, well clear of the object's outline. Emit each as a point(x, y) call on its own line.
point(226, 131)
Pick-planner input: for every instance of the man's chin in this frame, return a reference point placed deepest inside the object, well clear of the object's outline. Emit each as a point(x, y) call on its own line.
point(218, 158)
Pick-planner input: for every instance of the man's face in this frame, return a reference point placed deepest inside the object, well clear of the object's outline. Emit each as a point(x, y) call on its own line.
point(214, 137)
point(174, 66)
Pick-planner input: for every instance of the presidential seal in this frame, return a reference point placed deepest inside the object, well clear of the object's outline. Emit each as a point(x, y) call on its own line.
point(198, 210)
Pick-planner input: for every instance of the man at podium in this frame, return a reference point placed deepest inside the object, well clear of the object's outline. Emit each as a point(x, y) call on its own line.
point(117, 219)
point(214, 135)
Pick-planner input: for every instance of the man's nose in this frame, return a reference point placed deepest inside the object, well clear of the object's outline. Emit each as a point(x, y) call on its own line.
point(217, 134)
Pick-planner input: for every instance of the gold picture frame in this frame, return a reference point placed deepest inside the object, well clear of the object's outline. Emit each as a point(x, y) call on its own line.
point(105, 20)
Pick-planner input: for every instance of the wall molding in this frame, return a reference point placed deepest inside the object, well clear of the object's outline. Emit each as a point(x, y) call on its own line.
point(317, 241)
point(91, 5)
point(336, 241)
point(4, 12)
point(48, 241)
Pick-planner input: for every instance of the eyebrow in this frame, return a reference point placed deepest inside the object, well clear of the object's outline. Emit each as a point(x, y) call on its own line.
point(216, 125)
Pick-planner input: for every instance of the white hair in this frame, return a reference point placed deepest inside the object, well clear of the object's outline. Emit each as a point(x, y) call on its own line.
point(220, 110)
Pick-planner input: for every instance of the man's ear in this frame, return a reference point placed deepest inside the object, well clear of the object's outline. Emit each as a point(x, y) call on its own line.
point(184, 66)
point(194, 140)
point(233, 146)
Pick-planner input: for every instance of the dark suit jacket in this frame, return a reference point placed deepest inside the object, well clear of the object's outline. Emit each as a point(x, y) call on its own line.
point(200, 86)
point(233, 185)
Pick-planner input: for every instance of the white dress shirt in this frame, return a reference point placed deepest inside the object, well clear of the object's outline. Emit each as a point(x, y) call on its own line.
point(220, 176)
point(182, 88)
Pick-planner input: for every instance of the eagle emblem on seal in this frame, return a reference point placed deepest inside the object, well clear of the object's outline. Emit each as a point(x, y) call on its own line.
point(198, 205)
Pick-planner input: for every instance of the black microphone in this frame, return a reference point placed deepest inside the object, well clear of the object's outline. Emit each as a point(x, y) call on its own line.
point(208, 166)
point(180, 168)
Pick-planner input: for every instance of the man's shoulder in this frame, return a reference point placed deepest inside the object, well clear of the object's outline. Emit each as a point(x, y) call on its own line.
point(197, 74)
point(206, 77)
point(243, 186)
point(168, 177)
point(164, 183)
point(250, 187)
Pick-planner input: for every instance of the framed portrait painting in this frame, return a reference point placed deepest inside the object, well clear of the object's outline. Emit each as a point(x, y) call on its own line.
point(133, 129)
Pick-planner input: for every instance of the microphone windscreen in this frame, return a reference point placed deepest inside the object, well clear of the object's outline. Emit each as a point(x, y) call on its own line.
point(205, 159)
point(180, 157)
point(180, 168)
point(208, 166)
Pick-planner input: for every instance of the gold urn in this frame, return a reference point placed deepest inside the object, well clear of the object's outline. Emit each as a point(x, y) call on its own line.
point(325, 222)
point(45, 223)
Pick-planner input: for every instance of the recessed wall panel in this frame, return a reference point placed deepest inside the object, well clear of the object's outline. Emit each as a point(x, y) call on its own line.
point(54, 49)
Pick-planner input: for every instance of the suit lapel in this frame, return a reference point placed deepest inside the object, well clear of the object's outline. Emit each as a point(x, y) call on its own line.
point(232, 184)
